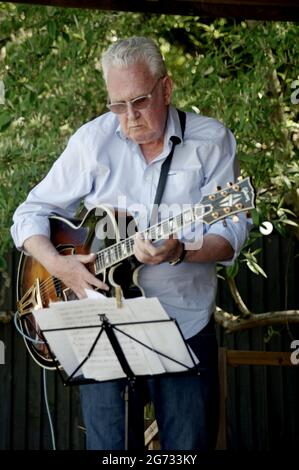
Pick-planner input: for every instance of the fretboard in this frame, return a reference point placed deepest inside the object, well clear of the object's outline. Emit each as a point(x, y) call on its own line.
point(124, 249)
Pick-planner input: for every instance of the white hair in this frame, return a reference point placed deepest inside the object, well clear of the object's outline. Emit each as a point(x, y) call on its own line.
point(131, 51)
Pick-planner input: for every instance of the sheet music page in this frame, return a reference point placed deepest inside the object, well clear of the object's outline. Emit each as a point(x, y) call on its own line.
point(82, 322)
point(164, 337)
point(58, 340)
point(103, 363)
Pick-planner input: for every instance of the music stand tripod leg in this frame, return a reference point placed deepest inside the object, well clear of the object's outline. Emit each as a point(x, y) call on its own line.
point(109, 329)
point(126, 398)
point(129, 387)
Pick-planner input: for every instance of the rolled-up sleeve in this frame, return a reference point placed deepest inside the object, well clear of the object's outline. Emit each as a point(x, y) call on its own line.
point(221, 167)
point(235, 233)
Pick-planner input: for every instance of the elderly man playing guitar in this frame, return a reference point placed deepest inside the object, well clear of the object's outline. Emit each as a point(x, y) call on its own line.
point(119, 156)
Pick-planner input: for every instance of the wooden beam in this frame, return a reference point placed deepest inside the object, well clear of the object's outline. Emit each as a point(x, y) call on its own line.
point(284, 10)
point(258, 358)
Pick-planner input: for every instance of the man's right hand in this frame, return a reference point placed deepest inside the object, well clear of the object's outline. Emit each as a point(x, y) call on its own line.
point(69, 269)
point(72, 272)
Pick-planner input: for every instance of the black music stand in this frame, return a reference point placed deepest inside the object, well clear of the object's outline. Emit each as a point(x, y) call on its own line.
point(111, 330)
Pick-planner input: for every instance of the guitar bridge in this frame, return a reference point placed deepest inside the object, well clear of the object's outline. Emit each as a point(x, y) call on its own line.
point(31, 300)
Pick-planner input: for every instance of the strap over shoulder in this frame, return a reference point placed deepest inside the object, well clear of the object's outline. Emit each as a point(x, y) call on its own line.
point(182, 117)
point(166, 164)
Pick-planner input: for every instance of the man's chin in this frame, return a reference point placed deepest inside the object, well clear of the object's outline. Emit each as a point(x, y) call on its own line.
point(140, 137)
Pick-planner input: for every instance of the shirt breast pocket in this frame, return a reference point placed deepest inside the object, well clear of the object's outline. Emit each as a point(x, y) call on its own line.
point(184, 185)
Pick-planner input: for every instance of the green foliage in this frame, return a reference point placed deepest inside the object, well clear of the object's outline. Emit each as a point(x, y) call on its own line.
point(238, 72)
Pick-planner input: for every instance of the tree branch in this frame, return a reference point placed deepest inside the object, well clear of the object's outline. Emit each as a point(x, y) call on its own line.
point(232, 323)
point(245, 312)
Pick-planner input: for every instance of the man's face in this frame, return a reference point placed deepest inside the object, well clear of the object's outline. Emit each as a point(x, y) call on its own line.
point(145, 126)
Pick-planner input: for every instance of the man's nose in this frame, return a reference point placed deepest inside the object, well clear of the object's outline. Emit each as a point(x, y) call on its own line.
point(131, 112)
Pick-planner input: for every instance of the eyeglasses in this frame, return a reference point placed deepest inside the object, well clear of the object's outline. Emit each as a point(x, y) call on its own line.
point(141, 102)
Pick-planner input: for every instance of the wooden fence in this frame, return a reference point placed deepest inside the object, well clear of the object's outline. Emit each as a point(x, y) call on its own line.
point(262, 409)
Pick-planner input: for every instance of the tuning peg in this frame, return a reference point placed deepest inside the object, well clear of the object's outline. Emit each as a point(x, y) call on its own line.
point(229, 184)
point(235, 219)
point(218, 188)
point(240, 178)
point(236, 187)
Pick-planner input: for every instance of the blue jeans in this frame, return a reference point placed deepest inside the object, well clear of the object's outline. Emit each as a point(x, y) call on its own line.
point(186, 407)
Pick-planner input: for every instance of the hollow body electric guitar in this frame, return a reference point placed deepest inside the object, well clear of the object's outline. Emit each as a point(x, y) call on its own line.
point(115, 263)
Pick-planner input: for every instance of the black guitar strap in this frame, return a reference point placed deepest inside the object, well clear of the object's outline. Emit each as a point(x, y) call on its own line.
point(166, 165)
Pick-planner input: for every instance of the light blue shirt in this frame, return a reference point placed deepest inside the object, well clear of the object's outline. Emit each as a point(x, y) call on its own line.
point(101, 166)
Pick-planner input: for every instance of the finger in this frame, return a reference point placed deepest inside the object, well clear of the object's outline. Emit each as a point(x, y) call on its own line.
point(81, 295)
point(155, 251)
point(95, 282)
point(86, 258)
point(142, 246)
point(139, 242)
point(151, 249)
point(146, 252)
point(168, 246)
point(82, 290)
point(141, 254)
point(147, 258)
point(100, 285)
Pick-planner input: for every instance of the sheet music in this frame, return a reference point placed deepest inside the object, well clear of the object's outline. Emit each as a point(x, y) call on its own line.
point(163, 337)
point(63, 349)
point(82, 321)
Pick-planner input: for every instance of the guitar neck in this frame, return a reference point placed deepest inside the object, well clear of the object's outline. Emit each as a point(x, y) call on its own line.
point(237, 197)
point(125, 248)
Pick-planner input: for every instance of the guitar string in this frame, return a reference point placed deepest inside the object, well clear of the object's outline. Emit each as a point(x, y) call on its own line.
point(118, 249)
point(52, 282)
point(118, 255)
point(122, 248)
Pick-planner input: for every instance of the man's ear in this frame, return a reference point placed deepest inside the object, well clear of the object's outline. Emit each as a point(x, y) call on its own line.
point(168, 86)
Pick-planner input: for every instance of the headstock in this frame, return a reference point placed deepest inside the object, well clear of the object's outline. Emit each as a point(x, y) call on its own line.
point(236, 197)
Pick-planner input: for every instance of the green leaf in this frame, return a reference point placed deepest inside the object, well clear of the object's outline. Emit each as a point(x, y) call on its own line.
point(3, 263)
point(255, 217)
point(288, 211)
point(254, 267)
point(289, 222)
point(233, 270)
point(51, 26)
point(65, 36)
point(5, 120)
